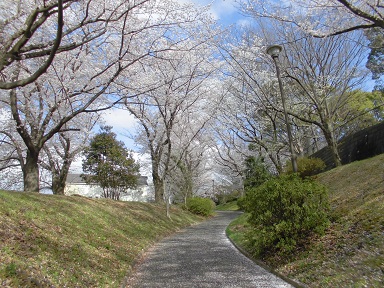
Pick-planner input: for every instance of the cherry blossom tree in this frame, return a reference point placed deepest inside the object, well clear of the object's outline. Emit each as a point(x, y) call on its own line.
point(86, 76)
point(12, 151)
point(252, 108)
point(180, 100)
point(320, 17)
point(65, 147)
point(191, 159)
point(21, 38)
point(229, 154)
point(34, 32)
point(329, 18)
point(320, 76)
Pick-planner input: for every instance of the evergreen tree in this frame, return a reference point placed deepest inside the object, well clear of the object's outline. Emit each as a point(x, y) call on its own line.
point(109, 164)
point(255, 172)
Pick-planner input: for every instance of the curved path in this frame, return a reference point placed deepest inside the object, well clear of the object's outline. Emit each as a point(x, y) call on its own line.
point(201, 256)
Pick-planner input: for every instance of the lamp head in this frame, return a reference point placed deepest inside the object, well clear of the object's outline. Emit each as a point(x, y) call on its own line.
point(274, 50)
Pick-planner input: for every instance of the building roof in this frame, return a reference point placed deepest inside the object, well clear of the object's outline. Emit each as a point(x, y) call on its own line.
point(75, 178)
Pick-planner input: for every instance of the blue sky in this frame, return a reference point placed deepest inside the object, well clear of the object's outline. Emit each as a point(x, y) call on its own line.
point(226, 12)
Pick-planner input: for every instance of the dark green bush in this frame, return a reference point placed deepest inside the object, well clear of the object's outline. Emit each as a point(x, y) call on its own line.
point(283, 211)
point(256, 173)
point(227, 197)
point(241, 202)
point(307, 166)
point(200, 206)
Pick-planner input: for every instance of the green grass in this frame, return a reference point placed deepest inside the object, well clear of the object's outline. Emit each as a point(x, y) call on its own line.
point(49, 240)
point(236, 229)
point(351, 253)
point(229, 206)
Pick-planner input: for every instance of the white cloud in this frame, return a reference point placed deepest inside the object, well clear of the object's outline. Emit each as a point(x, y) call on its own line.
point(244, 22)
point(124, 125)
point(119, 119)
point(224, 7)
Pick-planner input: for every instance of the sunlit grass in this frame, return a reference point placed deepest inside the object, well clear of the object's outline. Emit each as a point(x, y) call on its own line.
point(236, 230)
point(229, 206)
point(351, 253)
point(60, 241)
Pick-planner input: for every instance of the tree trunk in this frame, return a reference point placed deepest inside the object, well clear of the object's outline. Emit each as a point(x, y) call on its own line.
point(159, 188)
point(168, 208)
point(276, 161)
point(167, 198)
point(57, 185)
point(332, 144)
point(335, 154)
point(158, 182)
point(31, 172)
point(59, 180)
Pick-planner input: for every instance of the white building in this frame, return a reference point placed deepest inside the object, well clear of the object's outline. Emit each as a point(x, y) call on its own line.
point(75, 185)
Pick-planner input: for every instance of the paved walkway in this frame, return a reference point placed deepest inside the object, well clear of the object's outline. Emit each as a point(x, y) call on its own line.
point(201, 256)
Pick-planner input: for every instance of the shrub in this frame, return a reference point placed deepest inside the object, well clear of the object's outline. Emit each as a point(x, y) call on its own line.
point(307, 166)
point(200, 206)
point(227, 197)
point(241, 202)
point(283, 211)
point(256, 173)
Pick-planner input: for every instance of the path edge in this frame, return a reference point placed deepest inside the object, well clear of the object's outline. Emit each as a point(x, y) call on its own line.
point(294, 283)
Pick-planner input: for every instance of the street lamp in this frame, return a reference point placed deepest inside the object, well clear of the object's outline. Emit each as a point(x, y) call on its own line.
point(274, 52)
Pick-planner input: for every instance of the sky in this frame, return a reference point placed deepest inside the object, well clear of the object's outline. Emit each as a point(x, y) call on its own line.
point(226, 12)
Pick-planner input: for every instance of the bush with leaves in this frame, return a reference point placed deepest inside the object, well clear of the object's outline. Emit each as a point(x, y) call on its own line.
point(241, 202)
point(227, 197)
point(255, 172)
point(283, 211)
point(307, 166)
point(200, 206)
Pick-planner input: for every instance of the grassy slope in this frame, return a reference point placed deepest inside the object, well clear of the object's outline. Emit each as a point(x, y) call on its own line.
point(351, 253)
point(62, 241)
point(229, 206)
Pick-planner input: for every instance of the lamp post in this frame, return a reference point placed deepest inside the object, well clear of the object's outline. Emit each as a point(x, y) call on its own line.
point(274, 52)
